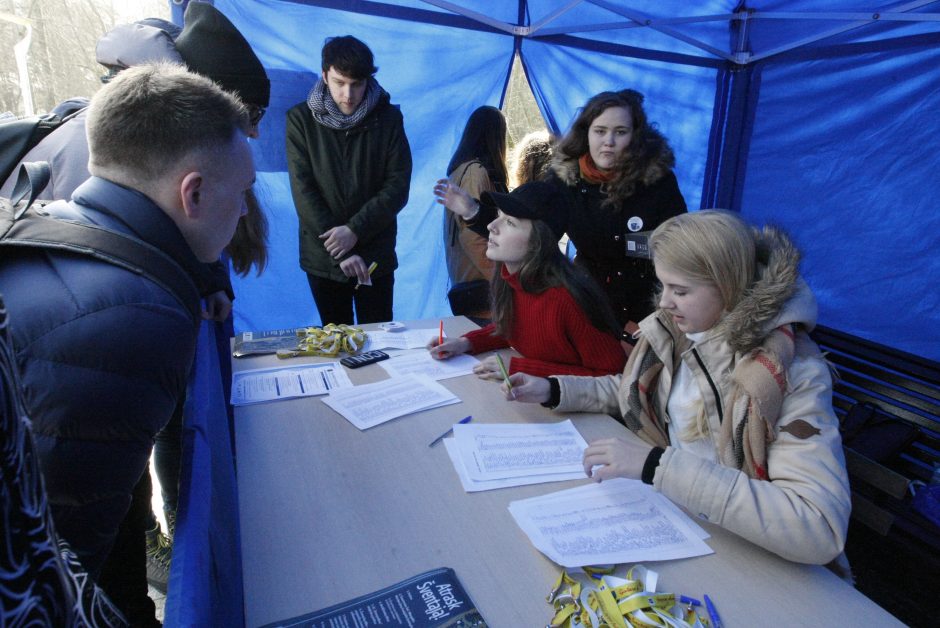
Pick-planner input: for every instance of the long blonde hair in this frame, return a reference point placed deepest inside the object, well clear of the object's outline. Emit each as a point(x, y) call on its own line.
point(714, 247)
point(710, 246)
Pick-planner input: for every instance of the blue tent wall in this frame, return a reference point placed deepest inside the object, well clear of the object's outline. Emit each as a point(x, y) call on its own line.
point(843, 155)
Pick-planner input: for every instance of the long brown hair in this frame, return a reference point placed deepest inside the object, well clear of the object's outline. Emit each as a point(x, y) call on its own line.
point(545, 267)
point(647, 144)
point(249, 245)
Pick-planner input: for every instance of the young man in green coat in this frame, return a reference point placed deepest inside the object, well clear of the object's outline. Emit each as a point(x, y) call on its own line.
point(350, 171)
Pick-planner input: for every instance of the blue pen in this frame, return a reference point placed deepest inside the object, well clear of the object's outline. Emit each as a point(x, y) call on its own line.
point(462, 421)
point(712, 613)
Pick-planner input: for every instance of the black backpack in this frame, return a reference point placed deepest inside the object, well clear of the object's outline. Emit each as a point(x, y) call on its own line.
point(18, 136)
point(22, 223)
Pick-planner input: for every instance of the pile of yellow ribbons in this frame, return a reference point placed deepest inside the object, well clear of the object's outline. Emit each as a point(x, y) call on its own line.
point(327, 341)
point(595, 598)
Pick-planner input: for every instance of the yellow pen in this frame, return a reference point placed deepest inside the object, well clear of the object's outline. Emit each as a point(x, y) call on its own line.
point(372, 267)
point(502, 369)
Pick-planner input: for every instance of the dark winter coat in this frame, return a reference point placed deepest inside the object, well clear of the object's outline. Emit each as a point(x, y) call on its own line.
point(357, 177)
point(104, 355)
point(598, 232)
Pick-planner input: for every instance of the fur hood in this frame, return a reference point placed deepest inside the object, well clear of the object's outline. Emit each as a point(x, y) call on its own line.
point(657, 160)
point(778, 297)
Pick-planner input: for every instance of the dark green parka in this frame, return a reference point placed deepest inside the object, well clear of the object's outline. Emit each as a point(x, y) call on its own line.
point(357, 177)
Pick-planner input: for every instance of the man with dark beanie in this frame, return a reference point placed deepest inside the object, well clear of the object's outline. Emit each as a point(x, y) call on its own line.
point(211, 45)
point(350, 172)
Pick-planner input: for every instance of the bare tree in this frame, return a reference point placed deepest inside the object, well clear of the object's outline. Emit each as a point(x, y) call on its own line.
point(61, 56)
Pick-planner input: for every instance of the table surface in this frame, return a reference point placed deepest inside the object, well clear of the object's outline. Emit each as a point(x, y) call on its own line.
point(329, 513)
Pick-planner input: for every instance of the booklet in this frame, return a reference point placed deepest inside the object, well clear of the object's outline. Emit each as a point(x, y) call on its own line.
point(433, 599)
point(261, 342)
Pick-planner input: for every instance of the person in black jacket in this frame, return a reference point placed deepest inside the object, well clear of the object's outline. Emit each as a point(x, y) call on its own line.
point(614, 170)
point(350, 171)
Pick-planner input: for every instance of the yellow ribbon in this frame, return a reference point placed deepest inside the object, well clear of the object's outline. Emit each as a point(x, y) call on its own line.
point(327, 341)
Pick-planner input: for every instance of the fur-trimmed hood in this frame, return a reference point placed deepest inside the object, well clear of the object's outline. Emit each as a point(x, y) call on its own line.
point(778, 297)
point(657, 160)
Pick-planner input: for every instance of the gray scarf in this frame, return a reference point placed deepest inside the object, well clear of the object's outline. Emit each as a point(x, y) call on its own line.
point(327, 112)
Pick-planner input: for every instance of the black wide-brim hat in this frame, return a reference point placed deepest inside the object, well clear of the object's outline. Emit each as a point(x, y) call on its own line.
point(534, 201)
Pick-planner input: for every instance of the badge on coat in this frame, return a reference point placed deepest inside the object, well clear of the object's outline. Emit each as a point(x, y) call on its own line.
point(635, 223)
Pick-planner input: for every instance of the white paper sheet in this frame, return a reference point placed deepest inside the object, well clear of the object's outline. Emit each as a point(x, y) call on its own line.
point(302, 380)
point(472, 486)
point(406, 339)
point(615, 521)
point(495, 451)
point(421, 363)
point(369, 405)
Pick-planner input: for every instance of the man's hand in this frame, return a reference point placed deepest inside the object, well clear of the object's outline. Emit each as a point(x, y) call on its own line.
point(621, 457)
point(456, 199)
point(354, 266)
point(217, 306)
point(527, 388)
point(339, 241)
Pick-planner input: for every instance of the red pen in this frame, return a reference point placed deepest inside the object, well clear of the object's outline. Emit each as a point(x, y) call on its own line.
point(440, 335)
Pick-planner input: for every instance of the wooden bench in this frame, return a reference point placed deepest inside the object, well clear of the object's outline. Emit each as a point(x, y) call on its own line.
point(891, 546)
point(900, 391)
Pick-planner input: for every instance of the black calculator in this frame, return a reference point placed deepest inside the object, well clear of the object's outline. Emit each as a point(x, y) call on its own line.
point(355, 361)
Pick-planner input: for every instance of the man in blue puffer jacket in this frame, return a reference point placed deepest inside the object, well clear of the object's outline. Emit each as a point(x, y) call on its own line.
point(105, 352)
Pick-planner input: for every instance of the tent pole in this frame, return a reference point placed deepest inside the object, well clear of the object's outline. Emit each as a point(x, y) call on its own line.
point(737, 87)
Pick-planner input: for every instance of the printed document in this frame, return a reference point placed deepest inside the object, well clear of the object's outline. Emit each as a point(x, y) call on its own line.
point(472, 486)
point(369, 405)
point(616, 521)
point(405, 339)
point(497, 451)
point(304, 380)
point(421, 363)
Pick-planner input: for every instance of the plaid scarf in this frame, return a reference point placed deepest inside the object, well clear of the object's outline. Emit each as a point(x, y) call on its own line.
point(759, 385)
point(327, 112)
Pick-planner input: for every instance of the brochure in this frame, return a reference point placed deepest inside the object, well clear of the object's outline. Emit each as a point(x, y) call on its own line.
point(433, 599)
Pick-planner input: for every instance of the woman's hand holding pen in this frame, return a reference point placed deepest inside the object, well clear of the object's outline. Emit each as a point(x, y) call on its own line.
point(456, 199)
point(449, 348)
point(527, 388)
point(621, 457)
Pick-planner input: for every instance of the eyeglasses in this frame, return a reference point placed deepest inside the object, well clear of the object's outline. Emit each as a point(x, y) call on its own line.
point(255, 113)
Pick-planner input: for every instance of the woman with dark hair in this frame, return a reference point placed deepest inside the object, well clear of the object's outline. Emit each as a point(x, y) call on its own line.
point(615, 172)
point(478, 166)
point(548, 310)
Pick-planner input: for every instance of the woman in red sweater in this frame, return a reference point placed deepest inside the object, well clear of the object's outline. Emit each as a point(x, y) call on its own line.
point(551, 312)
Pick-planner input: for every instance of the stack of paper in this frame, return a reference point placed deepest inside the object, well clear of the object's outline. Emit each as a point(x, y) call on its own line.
point(421, 363)
point(368, 405)
point(616, 521)
point(488, 456)
point(302, 380)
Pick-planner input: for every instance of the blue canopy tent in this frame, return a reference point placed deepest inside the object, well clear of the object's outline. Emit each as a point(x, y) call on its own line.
point(816, 116)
